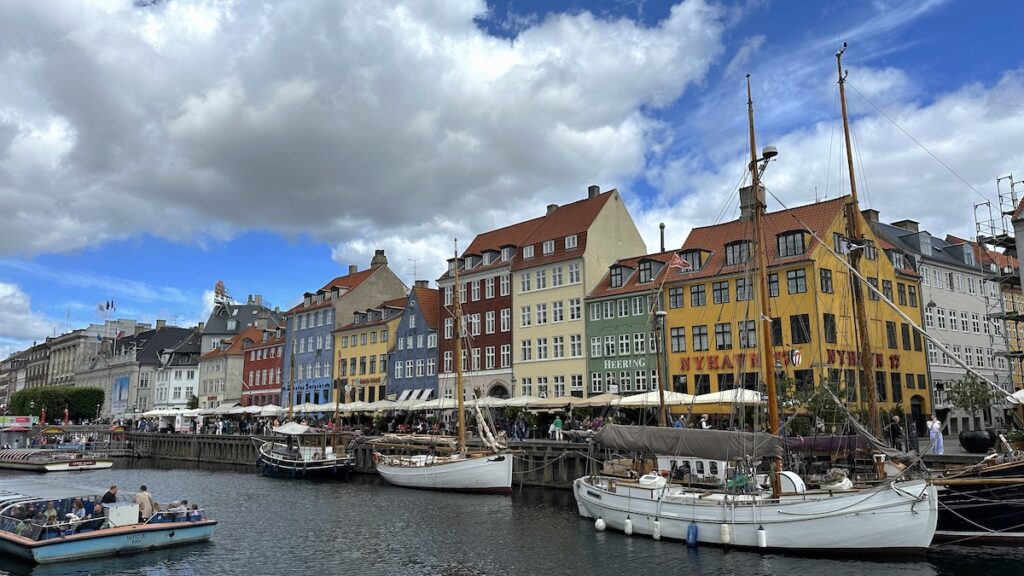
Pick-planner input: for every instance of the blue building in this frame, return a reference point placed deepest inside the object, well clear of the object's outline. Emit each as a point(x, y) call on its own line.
point(309, 342)
point(413, 361)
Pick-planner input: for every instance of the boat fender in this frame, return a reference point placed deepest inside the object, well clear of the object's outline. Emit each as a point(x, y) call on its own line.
point(656, 534)
point(376, 457)
point(725, 534)
point(600, 525)
point(627, 526)
point(691, 534)
point(762, 537)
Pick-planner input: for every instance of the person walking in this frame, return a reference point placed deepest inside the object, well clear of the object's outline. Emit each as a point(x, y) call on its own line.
point(935, 435)
point(895, 433)
point(558, 424)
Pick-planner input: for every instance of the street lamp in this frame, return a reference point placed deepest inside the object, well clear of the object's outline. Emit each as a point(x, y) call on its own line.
point(97, 412)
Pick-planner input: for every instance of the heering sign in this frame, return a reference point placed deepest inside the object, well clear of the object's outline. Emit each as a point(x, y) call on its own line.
point(639, 362)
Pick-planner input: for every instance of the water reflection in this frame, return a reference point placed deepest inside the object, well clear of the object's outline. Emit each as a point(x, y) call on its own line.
point(280, 526)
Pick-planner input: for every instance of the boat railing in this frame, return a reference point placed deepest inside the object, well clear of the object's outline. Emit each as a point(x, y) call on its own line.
point(33, 530)
point(197, 515)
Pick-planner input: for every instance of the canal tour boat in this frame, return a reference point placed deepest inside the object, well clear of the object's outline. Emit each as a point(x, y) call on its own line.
point(304, 455)
point(483, 471)
point(43, 460)
point(774, 511)
point(29, 534)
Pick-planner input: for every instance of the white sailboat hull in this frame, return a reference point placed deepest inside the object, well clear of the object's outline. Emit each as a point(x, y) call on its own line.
point(491, 474)
point(890, 519)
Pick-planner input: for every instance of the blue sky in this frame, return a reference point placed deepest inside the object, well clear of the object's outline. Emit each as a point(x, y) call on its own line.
point(148, 151)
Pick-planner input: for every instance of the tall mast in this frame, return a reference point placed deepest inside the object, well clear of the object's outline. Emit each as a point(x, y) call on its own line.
point(291, 382)
point(855, 234)
point(767, 354)
point(458, 356)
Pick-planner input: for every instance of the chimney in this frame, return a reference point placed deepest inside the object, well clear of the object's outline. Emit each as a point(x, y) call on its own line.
point(257, 299)
point(662, 227)
point(748, 204)
point(202, 325)
point(593, 190)
point(908, 225)
point(552, 208)
point(422, 283)
point(870, 215)
point(160, 324)
point(261, 322)
point(379, 259)
point(352, 268)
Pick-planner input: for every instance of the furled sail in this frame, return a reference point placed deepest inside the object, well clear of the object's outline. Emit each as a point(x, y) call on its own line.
point(710, 444)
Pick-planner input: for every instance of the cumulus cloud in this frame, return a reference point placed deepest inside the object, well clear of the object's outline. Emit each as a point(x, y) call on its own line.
point(18, 322)
point(194, 120)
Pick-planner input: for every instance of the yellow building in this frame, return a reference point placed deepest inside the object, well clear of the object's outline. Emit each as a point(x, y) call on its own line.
point(557, 265)
point(363, 347)
point(712, 312)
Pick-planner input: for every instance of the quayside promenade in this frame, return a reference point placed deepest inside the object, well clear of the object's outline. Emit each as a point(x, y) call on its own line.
point(542, 463)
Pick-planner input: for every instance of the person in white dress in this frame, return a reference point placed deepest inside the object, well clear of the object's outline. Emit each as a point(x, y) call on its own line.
point(935, 433)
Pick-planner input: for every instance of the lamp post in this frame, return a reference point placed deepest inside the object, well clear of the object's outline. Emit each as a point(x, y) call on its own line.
point(97, 412)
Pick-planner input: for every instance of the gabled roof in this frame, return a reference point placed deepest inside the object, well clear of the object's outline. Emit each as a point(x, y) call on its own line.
point(941, 249)
point(632, 284)
point(245, 314)
point(429, 301)
point(235, 345)
point(150, 343)
point(186, 352)
point(985, 256)
point(575, 218)
point(348, 281)
point(818, 217)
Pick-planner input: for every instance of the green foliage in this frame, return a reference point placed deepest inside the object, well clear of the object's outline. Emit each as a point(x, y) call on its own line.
point(1015, 436)
point(971, 395)
point(193, 402)
point(80, 402)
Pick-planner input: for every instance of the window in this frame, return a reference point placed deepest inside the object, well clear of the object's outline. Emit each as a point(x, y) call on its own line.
point(800, 328)
point(595, 346)
point(447, 295)
point(542, 314)
point(887, 289)
point(776, 331)
point(596, 385)
point(700, 338)
point(675, 297)
point(542, 279)
point(506, 319)
point(905, 333)
point(638, 306)
point(747, 332)
point(595, 311)
point(525, 350)
point(964, 322)
point(912, 295)
point(796, 281)
point(474, 293)
point(826, 280)
point(609, 345)
point(737, 253)
point(623, 306)
point(720, 292)
point(548, 246)
point(744, 289)
point(449, 327)
point(873, 294)
point(576, 346)
point(489, 288)
point(462, 292)
point(701, 384)
point(723, 336)
point(975, 323)
point(431, 366)
point(790, 244)
point(616, 277)
point(773, 285)
point(505, 284)
point(556, 276)
point(524, 316)
point(829, 325)
point(624, 342)
point(527, 252)
point(574, 273)
point(697, 295)
point(609, 309)
point(489, 322)
point(646, 271)
point(574, 309)
point(890, 334)
point(940, 316)
point(901, 293)
point(524, 282)
point(639, 343)
point(506, 355)
point(570, 242)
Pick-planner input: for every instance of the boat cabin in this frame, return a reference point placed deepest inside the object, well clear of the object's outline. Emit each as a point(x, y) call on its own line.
point(695, 470)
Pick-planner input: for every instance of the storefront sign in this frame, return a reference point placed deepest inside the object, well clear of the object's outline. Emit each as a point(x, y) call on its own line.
point(639, 362)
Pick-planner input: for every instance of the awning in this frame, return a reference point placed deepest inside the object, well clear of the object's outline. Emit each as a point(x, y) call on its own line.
point(15, 429)
point(653, 398)
point(291, 428)
point(555, 403)
point(733, 396)
point(52, 430)
point(606, 399)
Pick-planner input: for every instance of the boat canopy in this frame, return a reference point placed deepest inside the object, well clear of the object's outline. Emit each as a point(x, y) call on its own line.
point(710, 444)
point(30, 488)
point(291, 428)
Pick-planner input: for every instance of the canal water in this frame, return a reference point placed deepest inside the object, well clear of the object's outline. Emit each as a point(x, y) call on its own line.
point(276, 526)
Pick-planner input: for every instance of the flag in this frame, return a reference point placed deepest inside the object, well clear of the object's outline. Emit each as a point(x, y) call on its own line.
point(120, 333)
point(847, 246)
point(108, 304)
point(100, 307)
point(678, 262)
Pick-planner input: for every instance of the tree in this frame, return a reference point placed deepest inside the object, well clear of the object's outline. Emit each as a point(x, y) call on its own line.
point(971, 395)
point(193, 402)
point(80, 402)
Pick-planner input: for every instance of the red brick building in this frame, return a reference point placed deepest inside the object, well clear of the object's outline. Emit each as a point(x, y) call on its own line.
point(261, 368)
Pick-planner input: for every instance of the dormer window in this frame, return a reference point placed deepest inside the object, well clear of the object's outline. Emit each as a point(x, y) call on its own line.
point(307, 300)
point(693, 257)
point(570, 242)
point(507, 253)
point(489, 258)
point(528, 251)
point(897, 261)
point(549, 246)
point(790, 244)
point(646, 271)
point(232, 324)
point(616, 277)
point(737, 253)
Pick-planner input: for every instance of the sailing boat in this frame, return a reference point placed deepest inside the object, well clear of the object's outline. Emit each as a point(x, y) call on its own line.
point(897, 516)
point(482, 471)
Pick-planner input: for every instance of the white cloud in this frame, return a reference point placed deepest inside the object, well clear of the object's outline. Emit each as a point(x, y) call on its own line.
point(18, 323)
point(194, 120)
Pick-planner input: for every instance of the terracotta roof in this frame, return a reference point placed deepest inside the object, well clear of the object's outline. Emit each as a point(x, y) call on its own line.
point(429, 301)
point(350, 281)
point(632, 283)
point(396, 303)
point(575, 218)
point(235, 347)
point(984, 255)
point(818, 217)
point(513, 235)
point(355, 326)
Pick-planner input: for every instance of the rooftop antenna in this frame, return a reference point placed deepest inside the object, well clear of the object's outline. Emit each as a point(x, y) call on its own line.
point(415, 275)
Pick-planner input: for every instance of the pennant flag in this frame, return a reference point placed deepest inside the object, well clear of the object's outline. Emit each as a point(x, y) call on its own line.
point(848, 246)
point(678, 262)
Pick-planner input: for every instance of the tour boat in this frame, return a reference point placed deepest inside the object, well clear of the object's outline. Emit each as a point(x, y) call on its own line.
point(779, 512)
point(483, 471)
point(302, 456)
point(42, 460)
point(27, 535)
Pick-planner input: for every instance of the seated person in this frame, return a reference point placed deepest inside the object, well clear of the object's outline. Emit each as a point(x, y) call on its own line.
point(78, 510)
point(177, 510)
point(50, 514)
point(194, 515)
point(96, 520)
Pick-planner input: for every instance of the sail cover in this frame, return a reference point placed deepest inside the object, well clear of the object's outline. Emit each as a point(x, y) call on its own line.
point(710, 444)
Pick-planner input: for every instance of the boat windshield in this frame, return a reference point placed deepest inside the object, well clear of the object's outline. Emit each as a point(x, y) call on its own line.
point(41, 519)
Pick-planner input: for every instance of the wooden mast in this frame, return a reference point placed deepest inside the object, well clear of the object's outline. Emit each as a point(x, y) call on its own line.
point(659, 321)
point(767, 355)
point(291, 382)
point(458, 356)
point(855, 234)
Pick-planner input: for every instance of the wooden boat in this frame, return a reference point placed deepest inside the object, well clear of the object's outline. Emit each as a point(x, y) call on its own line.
point(115, 530)
point(462, 470)
point(42, 460)
point(982, 504)
point(303, 455)
point(894, 517)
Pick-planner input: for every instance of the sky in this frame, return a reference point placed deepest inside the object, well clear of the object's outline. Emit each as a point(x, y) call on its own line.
point(151, 148)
